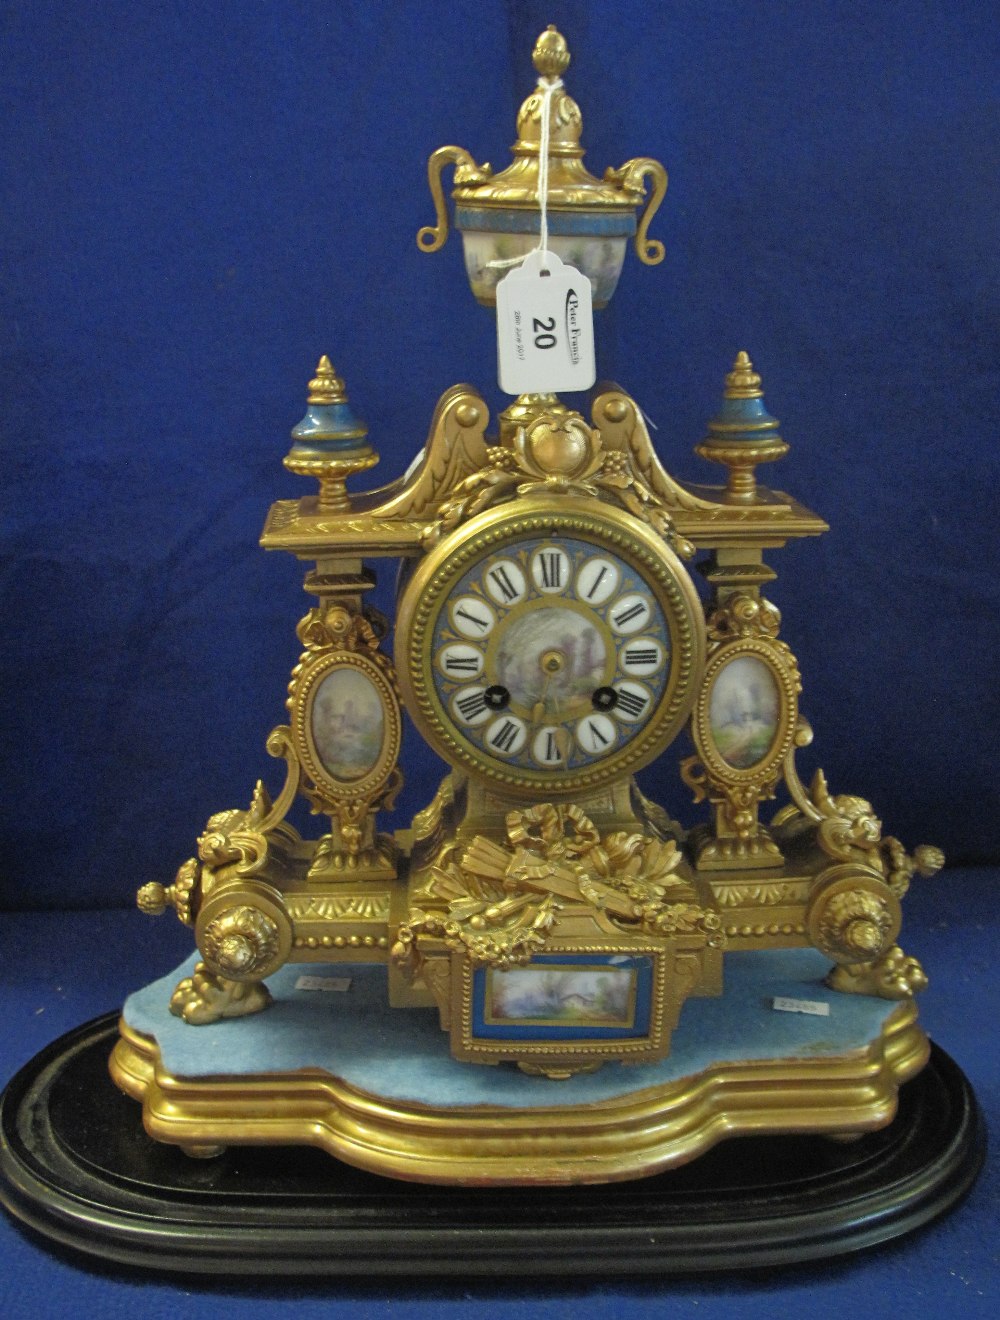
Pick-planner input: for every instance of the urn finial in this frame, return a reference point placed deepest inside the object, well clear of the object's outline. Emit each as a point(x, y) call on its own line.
point(589, 219)
point(326, 386)
point(331, 441)
point(551, 54)
point(742, 433)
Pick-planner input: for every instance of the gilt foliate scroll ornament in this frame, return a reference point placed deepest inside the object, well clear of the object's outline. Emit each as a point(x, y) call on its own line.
point(556, 452)
point(847, 828)
point(241, 941)
point(854, 914)
point(743, 615)
point(234, 843)
point(498, 902)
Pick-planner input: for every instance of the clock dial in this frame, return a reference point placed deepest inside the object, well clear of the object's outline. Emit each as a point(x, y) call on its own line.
point(597, 579)
point(549, 646)
point(469, 706)
point(550, 654)
point(472, 617)
point(459, 661)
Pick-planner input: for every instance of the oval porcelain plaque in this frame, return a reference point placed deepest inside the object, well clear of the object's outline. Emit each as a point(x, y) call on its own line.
point(347, 724)
point(744, 711)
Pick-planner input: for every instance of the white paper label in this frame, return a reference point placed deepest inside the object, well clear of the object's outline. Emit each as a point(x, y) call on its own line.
point(815, 1006)
point(545, 327)
point(340, 983)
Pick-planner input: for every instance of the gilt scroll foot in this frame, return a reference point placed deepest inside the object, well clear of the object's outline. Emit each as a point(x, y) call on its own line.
point(893, 976)
point(205, 997)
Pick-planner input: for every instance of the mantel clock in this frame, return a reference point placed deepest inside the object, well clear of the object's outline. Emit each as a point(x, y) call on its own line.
point(567, 609)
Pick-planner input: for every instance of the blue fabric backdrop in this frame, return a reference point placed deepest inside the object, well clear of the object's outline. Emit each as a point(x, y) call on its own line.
point(200, 199)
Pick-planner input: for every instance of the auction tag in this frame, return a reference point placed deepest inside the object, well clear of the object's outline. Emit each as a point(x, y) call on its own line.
point(815, 1006)
point(545, 327)
point(340, 983)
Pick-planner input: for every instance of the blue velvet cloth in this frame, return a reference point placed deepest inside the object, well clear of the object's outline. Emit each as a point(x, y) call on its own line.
point(403, 1054)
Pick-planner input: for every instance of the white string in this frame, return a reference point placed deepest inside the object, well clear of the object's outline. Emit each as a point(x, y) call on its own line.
point(548, 86)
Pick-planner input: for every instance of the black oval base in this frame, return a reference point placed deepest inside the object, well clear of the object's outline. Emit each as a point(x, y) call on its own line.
point(76, 1165)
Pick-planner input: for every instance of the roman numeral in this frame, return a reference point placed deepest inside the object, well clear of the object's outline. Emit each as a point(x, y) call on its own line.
point(551, 561)
point(632, 612)
point(551, 748)
point(597, 737)
point(631, 703)
point(480, 622)
point(504, 737)
point(597, 581)
point(502, 578)
point(462, 663)
point(472, 705)
point(640, 655)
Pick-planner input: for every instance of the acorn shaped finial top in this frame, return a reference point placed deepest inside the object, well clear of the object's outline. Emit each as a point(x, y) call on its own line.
point(326, 386)
point(743, 382)
point(551, 54)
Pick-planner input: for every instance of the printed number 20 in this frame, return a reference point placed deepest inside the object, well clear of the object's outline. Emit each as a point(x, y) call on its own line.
point(543, 332)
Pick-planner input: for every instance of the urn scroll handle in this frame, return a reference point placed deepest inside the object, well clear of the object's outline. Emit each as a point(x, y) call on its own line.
point(432, 237)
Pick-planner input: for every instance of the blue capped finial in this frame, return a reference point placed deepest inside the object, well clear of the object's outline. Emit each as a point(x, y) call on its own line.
point(742, 433)
point(743, 417)
point(330, 427)
point(331, 441)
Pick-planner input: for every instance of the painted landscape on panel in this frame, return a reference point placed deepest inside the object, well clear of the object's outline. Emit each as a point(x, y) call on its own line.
point(743, 711)
point(347, 724)
point(555, 995)
point(559, 631)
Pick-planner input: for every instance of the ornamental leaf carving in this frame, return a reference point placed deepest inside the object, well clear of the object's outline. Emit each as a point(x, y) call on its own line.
point(623, 428)
point(499, 902)
point(745, 615)
point(847, 828)
point(455, 449)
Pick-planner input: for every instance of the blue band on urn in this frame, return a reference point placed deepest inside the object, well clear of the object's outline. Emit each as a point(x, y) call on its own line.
point(615, 224)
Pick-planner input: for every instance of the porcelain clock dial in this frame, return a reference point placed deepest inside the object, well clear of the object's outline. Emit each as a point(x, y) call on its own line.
point(550, 655)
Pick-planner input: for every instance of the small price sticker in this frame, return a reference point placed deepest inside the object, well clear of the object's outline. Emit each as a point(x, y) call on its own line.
point(785, 1004)
point(545, 327)
point(327, 983)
